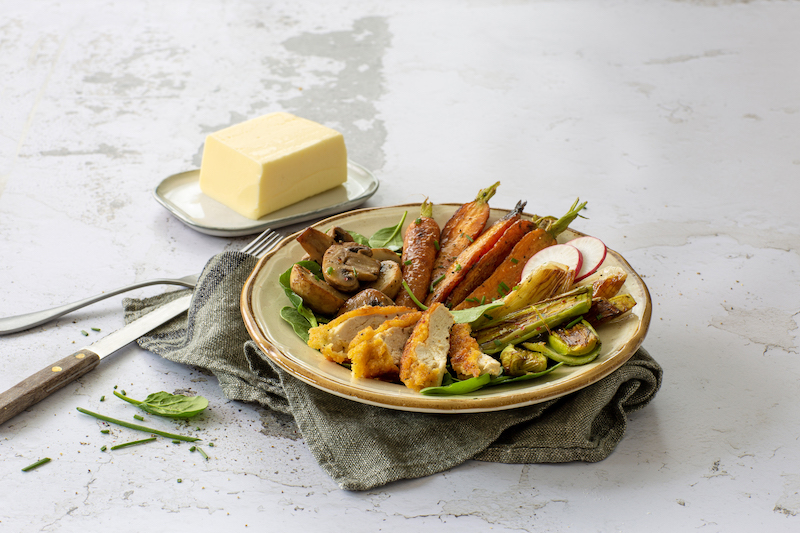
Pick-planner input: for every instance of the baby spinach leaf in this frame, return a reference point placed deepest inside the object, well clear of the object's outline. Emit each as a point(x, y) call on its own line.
point(357, 237)
point(294, 298)
point(169, 405)
point(458, 387)
point(391, 238)
point(474, 313)
point(299, 323)
point(501, 380)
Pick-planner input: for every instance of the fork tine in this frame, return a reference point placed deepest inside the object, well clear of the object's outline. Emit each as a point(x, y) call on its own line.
point(263, 243)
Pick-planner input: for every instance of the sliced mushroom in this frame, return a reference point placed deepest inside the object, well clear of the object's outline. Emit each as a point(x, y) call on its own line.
point(385, 254)
point(316, 294)
point(365, 298)
point(357, 248)
point(390, 279)
point(314, 242)
point(339, 235)
point(344, 268)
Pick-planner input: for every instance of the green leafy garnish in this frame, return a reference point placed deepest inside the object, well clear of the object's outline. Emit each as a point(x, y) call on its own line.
point(458, 387)
point(472, 314)
point(169, 405)
point(299, 323)
point(452, 386)
point(294, 298)
point(357, 237)
point(390, 237)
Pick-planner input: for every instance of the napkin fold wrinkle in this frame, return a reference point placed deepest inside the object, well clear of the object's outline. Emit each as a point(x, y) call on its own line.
point(362, 446)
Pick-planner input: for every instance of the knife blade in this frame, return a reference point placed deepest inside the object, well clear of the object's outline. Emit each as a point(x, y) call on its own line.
point(40, 385)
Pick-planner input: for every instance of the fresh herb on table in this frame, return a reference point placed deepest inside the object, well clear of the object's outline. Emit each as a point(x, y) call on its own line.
point(169, 405)
point(37, 464)
point(136, 426)
point(132, 443)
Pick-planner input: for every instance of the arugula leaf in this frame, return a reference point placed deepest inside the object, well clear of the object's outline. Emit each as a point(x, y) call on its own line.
point(390, 238)
point(169, 405)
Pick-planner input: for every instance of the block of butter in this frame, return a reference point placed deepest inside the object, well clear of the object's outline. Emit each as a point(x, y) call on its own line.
point(266, 163)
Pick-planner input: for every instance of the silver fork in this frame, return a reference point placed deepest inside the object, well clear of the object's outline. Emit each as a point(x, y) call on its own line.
point(258, 247)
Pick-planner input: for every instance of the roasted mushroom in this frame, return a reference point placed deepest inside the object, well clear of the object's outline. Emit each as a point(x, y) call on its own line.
point(314, 242)
point(343, 268)
point(390, 279)
point(385, 254)
point(316, 294)
point(365, 298)
point(339, 235)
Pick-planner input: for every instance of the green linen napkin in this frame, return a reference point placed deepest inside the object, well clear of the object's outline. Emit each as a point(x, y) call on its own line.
point(361, 446)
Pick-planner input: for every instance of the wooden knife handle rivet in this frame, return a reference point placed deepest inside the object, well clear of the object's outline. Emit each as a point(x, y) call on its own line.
point(43, 383)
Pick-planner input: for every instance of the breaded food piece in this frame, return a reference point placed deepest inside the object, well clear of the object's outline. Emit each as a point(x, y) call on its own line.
point(376, 353)
point(333, 338)
point(466, 357)
point(425, 354)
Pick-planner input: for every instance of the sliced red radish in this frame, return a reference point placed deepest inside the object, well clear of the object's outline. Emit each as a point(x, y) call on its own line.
point(558, 253)
point(593, 252)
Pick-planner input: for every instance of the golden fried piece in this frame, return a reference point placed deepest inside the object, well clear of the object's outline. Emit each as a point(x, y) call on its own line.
point(425, 354)
point(376, 353)
point(466, 357)
point(333, 338)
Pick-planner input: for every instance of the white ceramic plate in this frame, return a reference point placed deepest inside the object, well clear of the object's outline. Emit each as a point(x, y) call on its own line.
point(181, 195)
point(263, 297)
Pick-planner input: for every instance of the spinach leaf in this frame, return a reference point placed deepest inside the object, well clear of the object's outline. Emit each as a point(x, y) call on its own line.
point(453, 387)
point(357, 237)
point(458, 387)
point(299, 323)
point(169, 405)
point(390, 238)
point(501, 380)
point(294, 298)
point(474, 313)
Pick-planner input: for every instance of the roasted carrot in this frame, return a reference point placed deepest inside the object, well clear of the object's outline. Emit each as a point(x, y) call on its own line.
point(489, 262)
point(444, 285)
point(507, 275)
point(462, 229)
point(419, 253)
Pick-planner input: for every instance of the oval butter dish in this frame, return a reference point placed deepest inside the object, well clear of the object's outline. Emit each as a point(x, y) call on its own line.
point(180, 194)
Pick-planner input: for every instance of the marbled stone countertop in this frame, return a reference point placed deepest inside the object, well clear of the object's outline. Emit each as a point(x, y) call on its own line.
point(678, 121)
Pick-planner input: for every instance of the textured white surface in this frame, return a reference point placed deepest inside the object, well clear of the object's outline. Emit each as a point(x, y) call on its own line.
point(677, 121)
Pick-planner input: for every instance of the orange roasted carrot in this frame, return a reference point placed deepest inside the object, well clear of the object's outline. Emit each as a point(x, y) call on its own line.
point(508, 274)
point(462, 229)
point(445, 283)
point(419, 253)
point(489, 262)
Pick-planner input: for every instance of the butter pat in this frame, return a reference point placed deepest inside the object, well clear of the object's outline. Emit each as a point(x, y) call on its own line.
point(270, 162)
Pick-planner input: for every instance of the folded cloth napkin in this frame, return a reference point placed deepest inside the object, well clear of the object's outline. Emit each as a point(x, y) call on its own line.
point(361, 446)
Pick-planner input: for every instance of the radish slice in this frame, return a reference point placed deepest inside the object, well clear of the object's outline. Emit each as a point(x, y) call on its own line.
point(559, 253)
point(593, 252)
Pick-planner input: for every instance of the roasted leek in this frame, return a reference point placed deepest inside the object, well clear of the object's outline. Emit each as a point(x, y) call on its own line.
point(534, 320)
